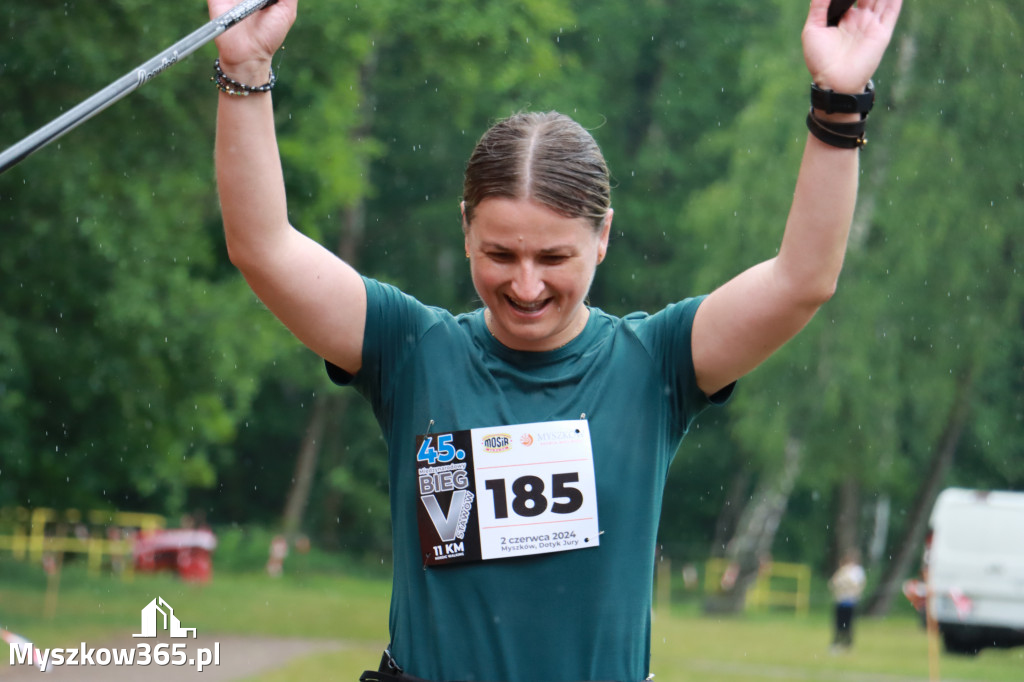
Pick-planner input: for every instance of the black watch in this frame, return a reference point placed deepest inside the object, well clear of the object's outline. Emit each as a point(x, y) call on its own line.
point(832, 102)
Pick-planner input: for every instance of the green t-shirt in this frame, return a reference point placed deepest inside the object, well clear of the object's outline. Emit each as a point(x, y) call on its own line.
point(560, 617)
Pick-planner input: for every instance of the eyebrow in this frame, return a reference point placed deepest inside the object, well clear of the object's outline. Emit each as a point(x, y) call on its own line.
point(562, 249)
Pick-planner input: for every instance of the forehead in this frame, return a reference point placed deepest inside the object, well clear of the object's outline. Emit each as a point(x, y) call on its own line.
point(522, 224)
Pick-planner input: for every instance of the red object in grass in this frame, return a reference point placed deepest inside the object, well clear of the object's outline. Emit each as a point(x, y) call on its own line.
point(185, 551)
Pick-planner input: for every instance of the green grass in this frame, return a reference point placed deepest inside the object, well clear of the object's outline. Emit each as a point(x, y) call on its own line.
point(104, 609)
point(308, 606)
point(686, 645)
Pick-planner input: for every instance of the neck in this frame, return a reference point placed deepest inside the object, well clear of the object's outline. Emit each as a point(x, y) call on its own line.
point(576, 326)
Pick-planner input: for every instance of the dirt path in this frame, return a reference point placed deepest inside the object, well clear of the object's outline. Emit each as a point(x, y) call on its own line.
point(240, 657)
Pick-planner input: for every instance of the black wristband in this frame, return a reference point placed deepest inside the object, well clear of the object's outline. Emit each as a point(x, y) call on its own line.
point(832, 102)
point(841, 135)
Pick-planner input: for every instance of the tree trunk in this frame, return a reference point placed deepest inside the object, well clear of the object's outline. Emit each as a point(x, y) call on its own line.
point(907, 548)
point(847, 535)
point(880, 532)
point(751, 545)
point(729, 516)
point(305, 466)
point(334, 456)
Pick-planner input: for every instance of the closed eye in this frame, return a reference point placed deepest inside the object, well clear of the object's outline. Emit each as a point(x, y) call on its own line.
point(501, 256)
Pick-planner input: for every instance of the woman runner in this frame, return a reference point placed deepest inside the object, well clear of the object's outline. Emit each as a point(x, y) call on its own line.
point(529, 441)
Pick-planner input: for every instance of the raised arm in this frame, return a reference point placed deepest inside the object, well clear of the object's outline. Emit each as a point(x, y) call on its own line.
point(319, 297)
point(743, 322)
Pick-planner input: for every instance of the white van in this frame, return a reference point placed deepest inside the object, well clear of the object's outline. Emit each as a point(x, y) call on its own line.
point(976, 569)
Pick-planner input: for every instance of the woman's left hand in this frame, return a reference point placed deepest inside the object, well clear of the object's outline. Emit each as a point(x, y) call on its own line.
point(844, 57)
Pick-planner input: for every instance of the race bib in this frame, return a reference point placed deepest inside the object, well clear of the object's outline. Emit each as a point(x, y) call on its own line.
point(506, 491)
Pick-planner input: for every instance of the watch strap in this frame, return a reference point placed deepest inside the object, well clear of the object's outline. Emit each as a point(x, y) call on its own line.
point(841, 135)
point(832, 102)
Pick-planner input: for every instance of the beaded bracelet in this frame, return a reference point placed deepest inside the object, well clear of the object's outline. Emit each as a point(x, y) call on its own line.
point(841, 135)
point(230, 86)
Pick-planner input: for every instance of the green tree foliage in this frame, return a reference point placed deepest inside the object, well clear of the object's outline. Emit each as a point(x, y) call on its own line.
point(130, 350)
point(932, 276)
point(137, 370)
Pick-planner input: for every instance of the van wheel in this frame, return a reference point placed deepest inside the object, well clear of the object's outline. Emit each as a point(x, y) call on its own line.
point(959, 644)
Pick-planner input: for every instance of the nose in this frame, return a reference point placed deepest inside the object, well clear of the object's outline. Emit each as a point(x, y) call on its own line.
point(527, 284)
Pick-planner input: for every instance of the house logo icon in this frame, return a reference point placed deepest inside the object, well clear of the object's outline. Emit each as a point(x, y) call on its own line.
point(151, 612)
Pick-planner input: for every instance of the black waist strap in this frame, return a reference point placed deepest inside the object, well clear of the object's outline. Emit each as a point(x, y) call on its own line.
point(389, 671)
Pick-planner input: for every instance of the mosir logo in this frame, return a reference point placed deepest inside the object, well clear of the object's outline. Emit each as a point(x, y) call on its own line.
point(497, 442)
point(150, 618)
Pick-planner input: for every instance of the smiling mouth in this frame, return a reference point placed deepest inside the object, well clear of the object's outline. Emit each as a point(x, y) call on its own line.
point(527, 307)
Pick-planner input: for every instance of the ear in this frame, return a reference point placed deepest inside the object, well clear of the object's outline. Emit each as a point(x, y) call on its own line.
point(465, 227)
point(606, 230)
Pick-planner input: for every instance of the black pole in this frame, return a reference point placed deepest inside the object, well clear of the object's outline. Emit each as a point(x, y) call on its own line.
point(128, 83)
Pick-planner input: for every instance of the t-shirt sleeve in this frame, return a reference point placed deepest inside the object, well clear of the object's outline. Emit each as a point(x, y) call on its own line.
point(395, 322)
point(668, 337)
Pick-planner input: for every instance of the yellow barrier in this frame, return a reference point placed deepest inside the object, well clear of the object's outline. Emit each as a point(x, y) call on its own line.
point(778, 584)
point(714, 571)
point(793, 592)
point(47, 531)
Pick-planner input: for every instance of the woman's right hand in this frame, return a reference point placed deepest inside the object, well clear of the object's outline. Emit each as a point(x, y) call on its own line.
point(247, 47)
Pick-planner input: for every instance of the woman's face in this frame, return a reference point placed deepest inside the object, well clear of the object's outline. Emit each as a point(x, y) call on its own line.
point(532, 268)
